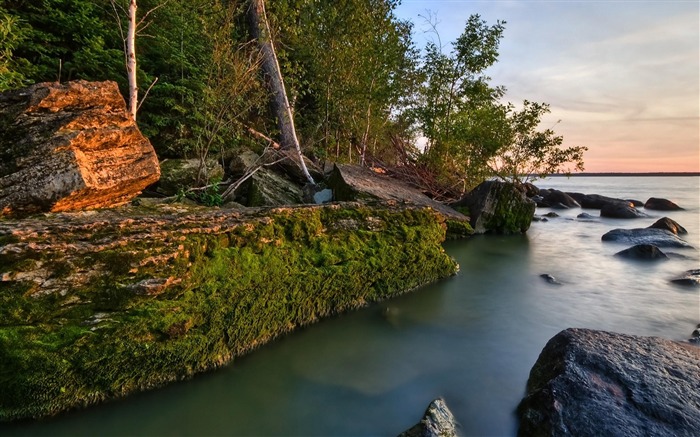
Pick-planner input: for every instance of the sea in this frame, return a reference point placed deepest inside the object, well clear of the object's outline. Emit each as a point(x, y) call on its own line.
point(470, 339)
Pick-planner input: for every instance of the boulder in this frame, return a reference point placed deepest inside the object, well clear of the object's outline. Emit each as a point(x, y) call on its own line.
point(353, 182)
point(585, 216)
point(70, 146)
point(690, 278)
point(642, 252)
point(661, 204)
point(559, 199)
point(596, 201)
point(498, 207)
point(656, 237)
point(669, 225)
point(179, 174)
point(621, 210)
point(595, 383)
point(267, 188)
point(437, 421)
point(287, 163)
point(636, 203)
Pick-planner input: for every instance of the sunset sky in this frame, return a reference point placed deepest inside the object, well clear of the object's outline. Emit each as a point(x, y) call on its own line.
point(622, 76)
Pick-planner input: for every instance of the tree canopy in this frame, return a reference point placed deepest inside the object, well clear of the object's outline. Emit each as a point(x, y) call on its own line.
point(360, 89)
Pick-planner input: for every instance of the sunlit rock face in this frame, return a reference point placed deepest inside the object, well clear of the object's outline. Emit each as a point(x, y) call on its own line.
point(72, 146)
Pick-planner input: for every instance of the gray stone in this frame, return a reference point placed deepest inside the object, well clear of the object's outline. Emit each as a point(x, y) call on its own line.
point(596, 201)
point(585, 216)
point(595, 383)
point(550, 279)
point(642, 252)
point(182, 174)
point(437, 421)
point(656, 237)
point(498, 207)
point(267, 188)
point(323, 196)
point(660, 204)
point(559, 199)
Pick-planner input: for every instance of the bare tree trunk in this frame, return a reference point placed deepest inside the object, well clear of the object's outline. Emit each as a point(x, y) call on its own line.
point(260, 29)
point(131, 59)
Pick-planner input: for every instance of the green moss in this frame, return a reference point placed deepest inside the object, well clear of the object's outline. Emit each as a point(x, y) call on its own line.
point(238, 290)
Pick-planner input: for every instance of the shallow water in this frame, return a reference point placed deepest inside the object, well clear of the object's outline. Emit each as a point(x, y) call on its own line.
point(471, 339)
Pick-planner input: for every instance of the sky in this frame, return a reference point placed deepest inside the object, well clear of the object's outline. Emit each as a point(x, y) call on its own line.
point(622, 76)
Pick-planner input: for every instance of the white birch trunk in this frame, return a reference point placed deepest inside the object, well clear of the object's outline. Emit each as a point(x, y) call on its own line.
point(285, 119)
point(131, 60)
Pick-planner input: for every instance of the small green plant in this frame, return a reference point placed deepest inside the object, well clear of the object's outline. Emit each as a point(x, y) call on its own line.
point(209, 195)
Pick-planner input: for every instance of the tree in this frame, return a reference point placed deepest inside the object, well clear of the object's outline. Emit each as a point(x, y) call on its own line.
point(260, 30)
point(531, 154)
point(11, 36)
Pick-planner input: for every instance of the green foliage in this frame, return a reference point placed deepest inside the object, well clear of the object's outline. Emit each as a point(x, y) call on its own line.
point(12, 33)
point(239, 289)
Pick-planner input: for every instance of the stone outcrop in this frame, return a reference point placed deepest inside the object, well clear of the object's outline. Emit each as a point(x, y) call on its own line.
point(594, 383)
point(437, 421)
point(656, 237)
point(97, 305)
point(661, 204)
point(69, 147)
point(352, 182)
point(498, 207)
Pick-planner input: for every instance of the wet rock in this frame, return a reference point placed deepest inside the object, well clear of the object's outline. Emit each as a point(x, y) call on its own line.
point(530, 189)
point(68, 147)
point(595, 383)
point(585, 216)
point(621, 210)
point(556, 197)
point(656, 237)
point(636, 203)
point(437, 421)
point(690, 278)
point(661, 204)
point(669, 225)
point(550, 279)
point(551, 214)
point(498, 207)
point(596, 201)
point(642, 252)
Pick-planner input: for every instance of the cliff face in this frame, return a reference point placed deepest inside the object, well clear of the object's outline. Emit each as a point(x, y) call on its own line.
point(97, 305)
point(67, 147)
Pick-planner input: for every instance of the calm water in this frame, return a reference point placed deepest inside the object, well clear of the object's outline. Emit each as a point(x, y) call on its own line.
point(471, 339)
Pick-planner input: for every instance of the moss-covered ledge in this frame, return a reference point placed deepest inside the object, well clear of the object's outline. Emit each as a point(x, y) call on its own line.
point(98, 305)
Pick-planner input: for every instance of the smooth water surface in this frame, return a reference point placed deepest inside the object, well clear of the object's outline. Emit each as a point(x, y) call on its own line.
point(471, 339)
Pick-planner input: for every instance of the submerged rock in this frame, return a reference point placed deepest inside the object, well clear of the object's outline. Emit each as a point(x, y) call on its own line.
point(437, 421)
point(642, 252)
point(595, 383)
point(689, 278)
point(550, 279)
point(656, 237)
point(68, 147)
point(498, 207)
point(661, 204)
point(669, 225)
point(585, 216)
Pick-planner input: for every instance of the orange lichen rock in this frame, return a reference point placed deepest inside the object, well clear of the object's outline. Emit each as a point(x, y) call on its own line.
point(68, 147)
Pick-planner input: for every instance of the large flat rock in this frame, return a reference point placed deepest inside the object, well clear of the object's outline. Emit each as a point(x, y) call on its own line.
point(595, 383)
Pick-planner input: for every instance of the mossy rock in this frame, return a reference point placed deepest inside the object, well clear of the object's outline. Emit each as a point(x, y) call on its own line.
point(102, 305)
point(181, 174)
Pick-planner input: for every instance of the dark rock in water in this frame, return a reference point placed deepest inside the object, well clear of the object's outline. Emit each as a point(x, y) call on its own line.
point(551, 214)
point(595, 383)
point(530, 189)
point(690, 278)
point(556, 197)
point(669, 225)
point(559, 205)
point(549, 278)
point(576, 196)
point(642, 252)
point(656, 237)
point(437, 421)
point(661, 204)
point(621, 210)
point(636, 203)
point(498, 207)
point(585, 216)
point(596, 201)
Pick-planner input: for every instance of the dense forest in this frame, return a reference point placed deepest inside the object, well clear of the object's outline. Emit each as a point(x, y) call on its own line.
point(360, 89)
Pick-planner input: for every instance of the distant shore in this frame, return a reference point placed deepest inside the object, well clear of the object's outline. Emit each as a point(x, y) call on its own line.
point(631, 174)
